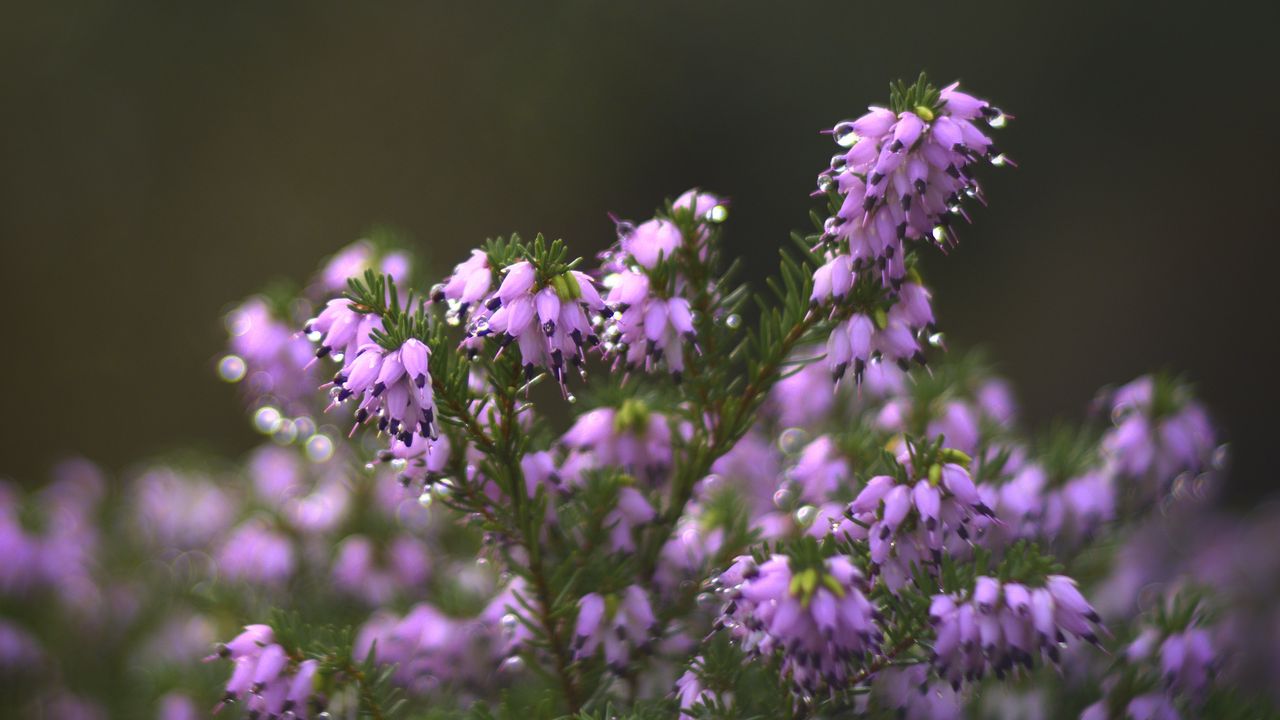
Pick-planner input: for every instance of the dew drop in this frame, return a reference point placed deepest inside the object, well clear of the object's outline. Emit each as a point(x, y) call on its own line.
point(509, 622)
point(319, 448)
point(806, 515)
point(937, 339)
point(513, 664)
point(232, 368)
point(782, 498)
point(939, 234)
point(426, 498)
point(839, 162)
point(826, 182)
point(792, 440)
point(1000, 160)
point(315, 335)
point(267, 420)
point(571, 398)
point(733, 321)
point(1221, 456)
point(717, 214)
point(844, 134)
point(999, 120)
point(705, 600)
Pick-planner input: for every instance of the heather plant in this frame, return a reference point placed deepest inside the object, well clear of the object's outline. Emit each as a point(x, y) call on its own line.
point(632, 487)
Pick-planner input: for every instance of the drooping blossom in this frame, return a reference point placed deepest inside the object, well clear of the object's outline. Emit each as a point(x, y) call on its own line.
point(863, 340)
point(630, 437)
point(914, 522)
point(644, 326)
point(266, 678)
point(820, 470)
point(905, 175)
point(690, 691)
point(549, 319)
point(623, 624)
point(1159, 432)
point(817, 618)
point(340, 331)
point(378, 574)
point(909, 691)
point(393, 387)
point(268, 356)
point(1002, 625)
point(358, 257)
point(256, 554)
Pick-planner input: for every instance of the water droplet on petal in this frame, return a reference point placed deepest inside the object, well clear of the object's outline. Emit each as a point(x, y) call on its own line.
point(998, 120)
point(512, 664)
point(717, 214)
point(705, 600)
point(733, 321)
point(792, 440)
point(826, 182)
point(839, 162)
point(426, 498)
point(844, 134)
point(805, 515)
point(782, 498)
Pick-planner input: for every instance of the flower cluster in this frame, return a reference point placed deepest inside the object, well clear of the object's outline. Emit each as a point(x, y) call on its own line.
point(547, 316)
point(392, 386)
point(650, 317)
point(905, 174)
point(1001, 625)
point(623, 624)
point(914, 521)
point(817, 617)
point(266, 678)
point(1159, 432)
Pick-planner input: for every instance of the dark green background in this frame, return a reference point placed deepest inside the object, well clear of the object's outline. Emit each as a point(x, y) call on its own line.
point(159, 159)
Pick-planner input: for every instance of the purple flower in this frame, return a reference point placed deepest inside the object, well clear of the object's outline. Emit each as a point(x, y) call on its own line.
point(816, 617)
point(376, 574)
point(177, 706)
point(469, 283)
point(340, 331)
point(181, 512)
point(256, 554)
point(354, 259)
point(691, 693)
point(1159, 432)
point(908, 691)
point(271, 358)
point(820, 470)
point(426, 646)
point(633, 510)
point(1152, 706)
point(394, 387)
point(905, 174)
point(623, 624)
point(650, 241)
point(549, 319)
point(20, 651)
point(916, 521)
point(1001, 625)
point(861, 340)
point(645, 326)
point(631, 438)
point(266, 678)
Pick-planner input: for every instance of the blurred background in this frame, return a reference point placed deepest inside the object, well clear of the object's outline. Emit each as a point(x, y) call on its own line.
point(160, 160)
